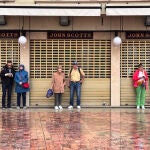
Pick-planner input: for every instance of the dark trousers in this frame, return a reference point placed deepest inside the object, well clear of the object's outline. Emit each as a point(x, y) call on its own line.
point(23, 98)
point(6, 89)
point(58, 98)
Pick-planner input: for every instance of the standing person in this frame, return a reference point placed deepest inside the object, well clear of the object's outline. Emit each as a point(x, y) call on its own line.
point(140, 80)
point(21, 77)
point(76, 77)
point(57, 85)
point(7, 77)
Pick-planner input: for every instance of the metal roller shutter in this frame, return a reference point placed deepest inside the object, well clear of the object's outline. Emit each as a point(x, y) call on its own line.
point(93, 56)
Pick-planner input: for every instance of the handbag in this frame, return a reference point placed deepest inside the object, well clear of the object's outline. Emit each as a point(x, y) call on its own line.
point(25, 85)
point(49, 93)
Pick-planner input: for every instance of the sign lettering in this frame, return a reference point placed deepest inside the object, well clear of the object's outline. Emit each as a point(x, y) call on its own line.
point(9, 34)
point(138, 35)
point(70, 35)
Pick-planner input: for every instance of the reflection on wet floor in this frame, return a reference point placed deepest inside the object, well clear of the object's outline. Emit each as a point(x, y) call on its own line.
point(88, 129)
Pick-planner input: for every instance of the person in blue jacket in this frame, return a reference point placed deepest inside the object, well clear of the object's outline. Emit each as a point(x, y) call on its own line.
point(21, 77)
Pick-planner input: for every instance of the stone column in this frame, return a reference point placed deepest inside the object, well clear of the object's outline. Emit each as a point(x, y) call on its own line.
point(25, 59)
point(115, 75)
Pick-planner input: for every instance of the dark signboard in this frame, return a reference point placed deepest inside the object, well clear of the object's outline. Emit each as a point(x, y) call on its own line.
point(70, 35)
point(9, 34)
point(138, 35)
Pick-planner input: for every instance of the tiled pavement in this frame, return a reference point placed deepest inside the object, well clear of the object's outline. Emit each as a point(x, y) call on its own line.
point(88, 129)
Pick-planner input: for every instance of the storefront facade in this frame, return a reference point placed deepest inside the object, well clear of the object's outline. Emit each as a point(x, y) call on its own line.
point(86, 37)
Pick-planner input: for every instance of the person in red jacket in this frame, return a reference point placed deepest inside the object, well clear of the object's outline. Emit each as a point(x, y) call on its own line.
point(140, 79)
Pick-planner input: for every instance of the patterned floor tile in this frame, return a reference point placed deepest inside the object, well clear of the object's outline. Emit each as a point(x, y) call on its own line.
point(89, 129)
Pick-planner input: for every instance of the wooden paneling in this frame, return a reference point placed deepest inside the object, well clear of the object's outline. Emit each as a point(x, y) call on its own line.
point(128, 96)
point(9, 50)
point(132, 53)
point(93, 57)
point(95, 92)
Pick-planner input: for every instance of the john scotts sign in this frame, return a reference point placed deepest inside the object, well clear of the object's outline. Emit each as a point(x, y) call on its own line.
point(138, 35)
point(9, 34)
point(70, 35)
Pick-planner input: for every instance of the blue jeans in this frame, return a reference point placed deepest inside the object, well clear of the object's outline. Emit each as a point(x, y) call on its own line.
point(75, 87)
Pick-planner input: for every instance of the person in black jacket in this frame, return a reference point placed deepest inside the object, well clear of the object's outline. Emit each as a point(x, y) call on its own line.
point(7, 79)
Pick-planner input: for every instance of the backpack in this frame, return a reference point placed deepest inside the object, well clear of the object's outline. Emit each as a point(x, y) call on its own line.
point(68, 81)
point(78, 70)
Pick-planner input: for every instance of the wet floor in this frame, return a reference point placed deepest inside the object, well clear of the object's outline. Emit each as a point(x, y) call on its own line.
point(88, 129)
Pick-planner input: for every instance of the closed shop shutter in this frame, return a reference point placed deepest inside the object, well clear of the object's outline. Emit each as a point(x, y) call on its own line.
point(93, 57)
point(132, 53)
point(10, 50)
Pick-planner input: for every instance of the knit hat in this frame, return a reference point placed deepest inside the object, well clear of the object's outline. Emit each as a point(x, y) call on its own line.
point(75, 63)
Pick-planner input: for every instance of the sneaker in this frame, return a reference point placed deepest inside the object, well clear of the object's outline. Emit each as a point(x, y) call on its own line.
point(138, 107)
point(56, 108)
point(143, 107)
point(60, 107)
point(3, 108)
point(78, 107)
point(70, 107)
point(18, 107)
point(24, 107)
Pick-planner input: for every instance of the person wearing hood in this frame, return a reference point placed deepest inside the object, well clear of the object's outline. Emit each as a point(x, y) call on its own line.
point(7, 78)
point(57, 85)
point(21, 77)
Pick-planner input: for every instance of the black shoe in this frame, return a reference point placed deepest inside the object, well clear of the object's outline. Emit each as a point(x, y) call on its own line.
point(9, 108)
